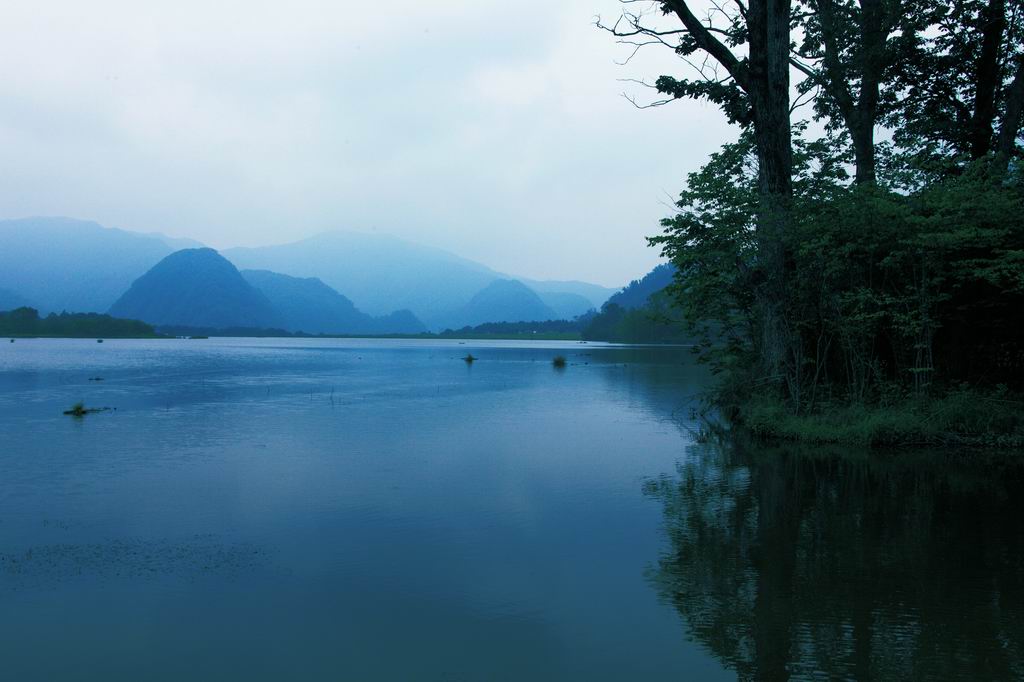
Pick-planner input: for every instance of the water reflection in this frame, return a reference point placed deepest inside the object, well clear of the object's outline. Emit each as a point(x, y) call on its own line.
point(790, 565)
point(343, 500)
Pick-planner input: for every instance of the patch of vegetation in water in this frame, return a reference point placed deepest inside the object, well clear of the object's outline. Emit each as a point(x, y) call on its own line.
point(80, 410)
point(559, 361)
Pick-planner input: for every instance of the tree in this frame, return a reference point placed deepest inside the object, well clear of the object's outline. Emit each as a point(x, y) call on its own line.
point(906, 279)
point(847, 46)
point(755, 93)
point(961, 84)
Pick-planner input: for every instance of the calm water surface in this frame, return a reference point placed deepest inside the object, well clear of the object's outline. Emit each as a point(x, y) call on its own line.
point(358, 510)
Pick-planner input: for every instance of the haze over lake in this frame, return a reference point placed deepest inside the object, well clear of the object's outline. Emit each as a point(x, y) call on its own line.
point(366, 509)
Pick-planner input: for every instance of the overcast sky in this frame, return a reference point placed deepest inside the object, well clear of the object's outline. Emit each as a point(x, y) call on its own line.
point(497, 131)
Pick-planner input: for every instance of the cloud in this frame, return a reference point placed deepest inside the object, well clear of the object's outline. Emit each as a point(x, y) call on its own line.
point(500, 134)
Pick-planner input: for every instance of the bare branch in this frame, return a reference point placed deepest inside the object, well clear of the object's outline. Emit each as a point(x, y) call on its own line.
point(709, 43)
point(649, 105)
point(804, 69)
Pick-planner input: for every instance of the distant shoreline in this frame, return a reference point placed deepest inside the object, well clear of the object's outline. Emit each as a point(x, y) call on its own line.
point(382, 337)
point(421, 335)
point(26, 323)
point(112, 337)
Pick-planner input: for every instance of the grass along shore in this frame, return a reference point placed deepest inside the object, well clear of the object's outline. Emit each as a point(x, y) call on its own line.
point(964, 417)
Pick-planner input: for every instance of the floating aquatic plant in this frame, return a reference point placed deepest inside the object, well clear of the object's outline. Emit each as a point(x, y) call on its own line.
point(80, 410)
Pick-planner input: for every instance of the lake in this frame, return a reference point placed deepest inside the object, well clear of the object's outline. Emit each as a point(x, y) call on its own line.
point(269, 509)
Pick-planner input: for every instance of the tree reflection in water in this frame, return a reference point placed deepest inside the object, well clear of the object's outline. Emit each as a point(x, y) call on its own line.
point(787, 564)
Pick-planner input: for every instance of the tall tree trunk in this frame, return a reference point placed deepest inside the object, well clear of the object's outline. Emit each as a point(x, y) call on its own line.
point(859, 115)
point(863, 138)
point(987, 79)
point(768, 25)
point(1006, 143)
point(874, 32)
point(768, 22)
point(764, 77)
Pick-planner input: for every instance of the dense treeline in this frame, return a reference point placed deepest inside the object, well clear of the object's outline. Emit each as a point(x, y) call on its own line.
point(27, 322)
point(655, 322)
point(568, 329)
point(851, 266)
point(639, 313)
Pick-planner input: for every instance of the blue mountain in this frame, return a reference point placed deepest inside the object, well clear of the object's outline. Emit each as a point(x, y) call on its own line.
point(196, 288)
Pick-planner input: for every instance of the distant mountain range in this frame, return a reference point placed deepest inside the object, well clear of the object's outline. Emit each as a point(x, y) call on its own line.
point(517, 302)
point(9, 300)
point(62, 264)
point(309, 305)
point(199, 288)
point(58, 264)
point(380, 273)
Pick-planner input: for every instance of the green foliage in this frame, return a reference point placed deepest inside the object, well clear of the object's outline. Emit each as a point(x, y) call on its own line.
point(640, 313)
point(932, 107)
point(713, 243)
point(899, 287)
point(884, 287)
point(654, 323)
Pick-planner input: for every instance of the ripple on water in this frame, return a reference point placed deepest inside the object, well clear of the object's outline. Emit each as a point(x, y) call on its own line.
point(201, 556)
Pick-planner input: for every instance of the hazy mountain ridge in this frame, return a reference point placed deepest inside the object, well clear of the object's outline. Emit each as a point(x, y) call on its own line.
point(197, 288)
point(308, 305)
point(565, 305)
point(515, 301)
point(58, 264)
point(380, 273)
point(79, 266)
point(398, 322)
point(594, 294)
point(637, 293)
point(9, 300)
point(174, 243)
